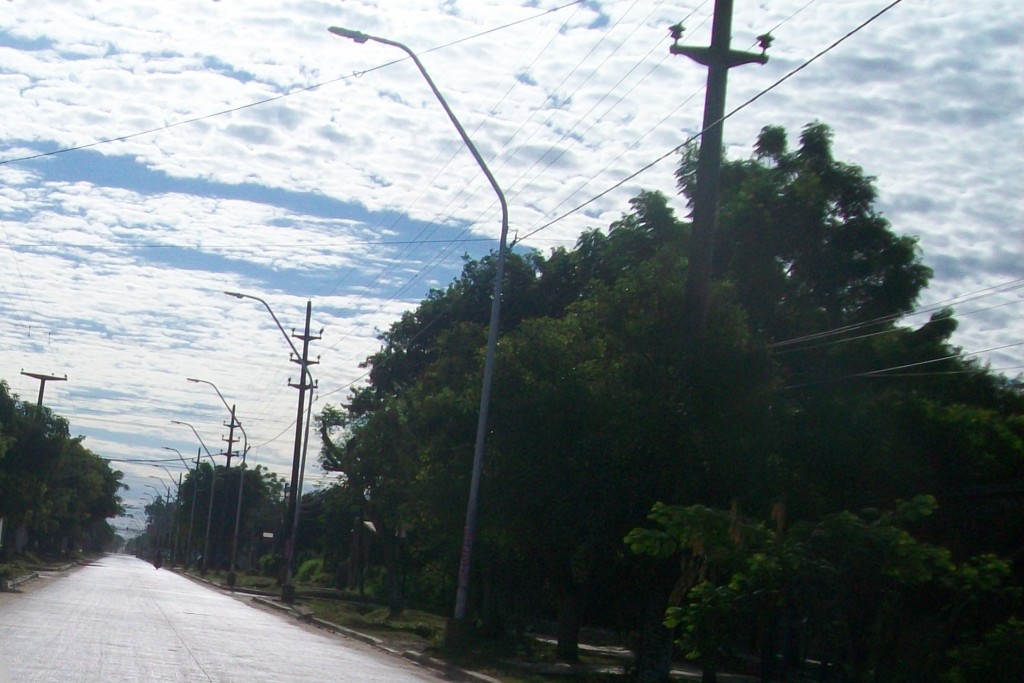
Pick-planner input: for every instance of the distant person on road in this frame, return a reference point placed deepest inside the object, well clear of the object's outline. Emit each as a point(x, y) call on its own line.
point(158, 559)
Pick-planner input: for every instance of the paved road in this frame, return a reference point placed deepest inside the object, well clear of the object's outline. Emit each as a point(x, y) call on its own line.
point(120, 619)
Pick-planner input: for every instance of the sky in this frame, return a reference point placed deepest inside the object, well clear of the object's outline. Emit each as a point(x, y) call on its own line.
point(155, 155)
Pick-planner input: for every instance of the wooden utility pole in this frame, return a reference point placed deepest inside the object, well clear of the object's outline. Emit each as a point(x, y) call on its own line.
point(43, 379)
point(719, 58)
point(294, 493)
point(231, 438)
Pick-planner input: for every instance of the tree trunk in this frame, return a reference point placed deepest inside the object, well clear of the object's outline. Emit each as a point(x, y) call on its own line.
point(390, 545)
point(654, 655)
point(396, 598)
point(568, 648)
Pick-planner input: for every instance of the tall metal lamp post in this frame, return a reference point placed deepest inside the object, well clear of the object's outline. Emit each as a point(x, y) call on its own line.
point(299, 452)
point(235, 422)
point(213, 489)
point(455, 627)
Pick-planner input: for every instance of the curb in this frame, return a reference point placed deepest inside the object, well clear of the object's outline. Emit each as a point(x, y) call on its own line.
point(449, 670)
point(11, 584)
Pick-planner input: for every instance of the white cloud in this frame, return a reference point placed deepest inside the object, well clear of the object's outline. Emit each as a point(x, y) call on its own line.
point(117, 256)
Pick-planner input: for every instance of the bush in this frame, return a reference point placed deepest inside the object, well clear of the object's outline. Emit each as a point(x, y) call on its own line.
point(270, 565)
point(312, 572)
point(309, 569)
point(998, 658)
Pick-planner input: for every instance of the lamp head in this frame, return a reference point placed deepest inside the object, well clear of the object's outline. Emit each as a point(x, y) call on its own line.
point(235, 294)
point(357, 36)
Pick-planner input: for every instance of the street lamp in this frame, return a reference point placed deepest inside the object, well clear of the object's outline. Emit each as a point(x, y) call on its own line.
point(170, 476)
point(299, 452)
point(213, 488)
point(235, 422)
point(192, 515)
point(492, 334)
point(167, 489)
point(231, 409)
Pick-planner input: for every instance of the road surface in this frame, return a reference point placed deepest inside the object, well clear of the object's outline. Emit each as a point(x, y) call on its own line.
point(119, 619)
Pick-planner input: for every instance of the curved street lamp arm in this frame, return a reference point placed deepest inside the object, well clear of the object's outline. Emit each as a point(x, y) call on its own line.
point(180, 456)
point(492, 334)
point(238, 423)
point(239, 295)
point(201, 442)
point(360, 37)
point(170, 476)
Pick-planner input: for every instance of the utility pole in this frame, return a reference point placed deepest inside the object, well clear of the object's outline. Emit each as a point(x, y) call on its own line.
point(192, 515)
point(719, 58)
point(287, 590)
point(209, 512)
point(238, 504)
point(175, 524)
point(43, 379)
point(231, 438)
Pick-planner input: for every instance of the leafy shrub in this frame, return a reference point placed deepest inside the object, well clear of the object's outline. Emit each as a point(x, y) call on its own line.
point(312, 572)
point(270, 565)
point(998, 658)
point(309, 569)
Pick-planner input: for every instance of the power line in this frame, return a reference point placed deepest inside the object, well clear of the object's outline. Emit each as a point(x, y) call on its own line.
point(931, 308)
point(883, 372)
point(736, 110)
point(939, 360)
point(268, 100)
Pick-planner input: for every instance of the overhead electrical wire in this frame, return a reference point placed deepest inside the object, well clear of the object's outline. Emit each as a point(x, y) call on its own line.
point(993, 290)
point(678, 148)
point(598, 68)
point(731, 113)
point(548, 224)
point(444, 254)
point(883, 372)
point(454, 149)
point(268, 100)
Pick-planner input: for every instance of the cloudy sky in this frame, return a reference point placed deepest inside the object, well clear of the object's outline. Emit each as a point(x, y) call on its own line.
point(153, 155)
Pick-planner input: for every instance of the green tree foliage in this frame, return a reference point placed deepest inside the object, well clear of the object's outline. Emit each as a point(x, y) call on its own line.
point(801, 240)
point(869, 410)
point(588, 332)
point(858, 593)
point(54, 492)
point(997, 658)
point(601, 409)
point(261, 511)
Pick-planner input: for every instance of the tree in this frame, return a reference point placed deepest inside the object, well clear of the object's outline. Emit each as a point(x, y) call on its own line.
point(53, 490)
point(860, 592)
point(260, 511)
point(601, 409)
point(802, 242)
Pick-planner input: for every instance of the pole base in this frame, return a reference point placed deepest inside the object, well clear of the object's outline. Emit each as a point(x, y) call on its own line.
point(231, 579)
point(288, 593)
point(460, 635)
